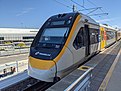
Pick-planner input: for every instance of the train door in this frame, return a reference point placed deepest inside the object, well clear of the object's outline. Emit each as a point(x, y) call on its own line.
point(78, 44)
point(116, 37)
point(87, 40)
point(105, 38)
point(102, 35)
point(94, 39)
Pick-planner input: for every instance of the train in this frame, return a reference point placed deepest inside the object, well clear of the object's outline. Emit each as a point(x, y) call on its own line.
point(64, 42)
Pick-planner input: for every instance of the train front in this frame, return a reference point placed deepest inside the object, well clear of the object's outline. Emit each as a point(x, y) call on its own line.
point(49, 46)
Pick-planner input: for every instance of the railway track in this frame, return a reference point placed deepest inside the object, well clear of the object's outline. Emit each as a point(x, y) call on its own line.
point(39, 86)
point(21, 85)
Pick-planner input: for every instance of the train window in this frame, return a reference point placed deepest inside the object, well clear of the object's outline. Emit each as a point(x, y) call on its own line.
point(1, 38)
point(58, 23)
point(110, 35)
point(54, 35)
point(28, 37)
point(79, 40)
point(93, 36)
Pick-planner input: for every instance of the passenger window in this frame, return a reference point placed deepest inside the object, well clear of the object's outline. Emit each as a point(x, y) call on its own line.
point(94, 36)
point(79, 40)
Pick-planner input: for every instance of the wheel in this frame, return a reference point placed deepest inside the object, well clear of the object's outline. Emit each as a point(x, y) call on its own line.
point(56, 79)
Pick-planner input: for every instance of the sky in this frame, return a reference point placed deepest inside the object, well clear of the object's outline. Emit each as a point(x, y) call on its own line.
point(33, 13)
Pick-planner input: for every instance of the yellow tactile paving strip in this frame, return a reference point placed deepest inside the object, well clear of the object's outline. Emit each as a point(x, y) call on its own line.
point(84, 68)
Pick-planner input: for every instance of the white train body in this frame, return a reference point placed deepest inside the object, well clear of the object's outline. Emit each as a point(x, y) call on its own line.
point(80, 41)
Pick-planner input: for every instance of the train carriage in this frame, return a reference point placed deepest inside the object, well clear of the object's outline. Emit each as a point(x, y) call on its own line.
point(111, 36)
point(64, 42)
point(108, 34)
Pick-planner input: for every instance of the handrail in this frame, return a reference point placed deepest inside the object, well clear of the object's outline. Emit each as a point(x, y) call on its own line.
point(77, 81)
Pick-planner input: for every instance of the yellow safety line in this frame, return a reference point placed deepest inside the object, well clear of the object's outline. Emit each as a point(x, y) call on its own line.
point(108, 76)
point(84, 68)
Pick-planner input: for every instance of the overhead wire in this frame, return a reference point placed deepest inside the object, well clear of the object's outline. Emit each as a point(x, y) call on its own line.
point(99, 14)
point(94, 5)
point(89, 9)
point(83, 3)
point(78, 4)
point(103, 13)
point(92, 11)
point(82, 6)
point(63, 4)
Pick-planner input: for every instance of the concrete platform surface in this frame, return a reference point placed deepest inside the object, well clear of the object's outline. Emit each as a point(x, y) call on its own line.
point(114, 83)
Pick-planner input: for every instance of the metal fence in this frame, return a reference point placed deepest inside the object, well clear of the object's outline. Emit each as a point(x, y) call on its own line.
point(82, 83)
point(13, 67)
point(13, 51)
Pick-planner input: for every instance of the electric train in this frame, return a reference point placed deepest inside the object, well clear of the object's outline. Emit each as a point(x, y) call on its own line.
point(64, 42)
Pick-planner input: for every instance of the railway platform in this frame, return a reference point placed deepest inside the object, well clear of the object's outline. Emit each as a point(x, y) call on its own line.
point(112, 81)
point(100, 73)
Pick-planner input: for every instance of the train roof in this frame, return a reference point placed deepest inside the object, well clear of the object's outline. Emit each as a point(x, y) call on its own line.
point(109, 27)
point(83, 17)
point(90, 20)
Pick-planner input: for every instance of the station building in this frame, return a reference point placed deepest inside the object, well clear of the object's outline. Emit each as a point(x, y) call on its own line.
point(13, 35)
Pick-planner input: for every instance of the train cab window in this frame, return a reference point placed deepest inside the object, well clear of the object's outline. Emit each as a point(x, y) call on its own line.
point(79, 40)
point(54, 35)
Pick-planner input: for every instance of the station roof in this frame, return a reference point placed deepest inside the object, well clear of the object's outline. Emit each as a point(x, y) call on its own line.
point(17, 30)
